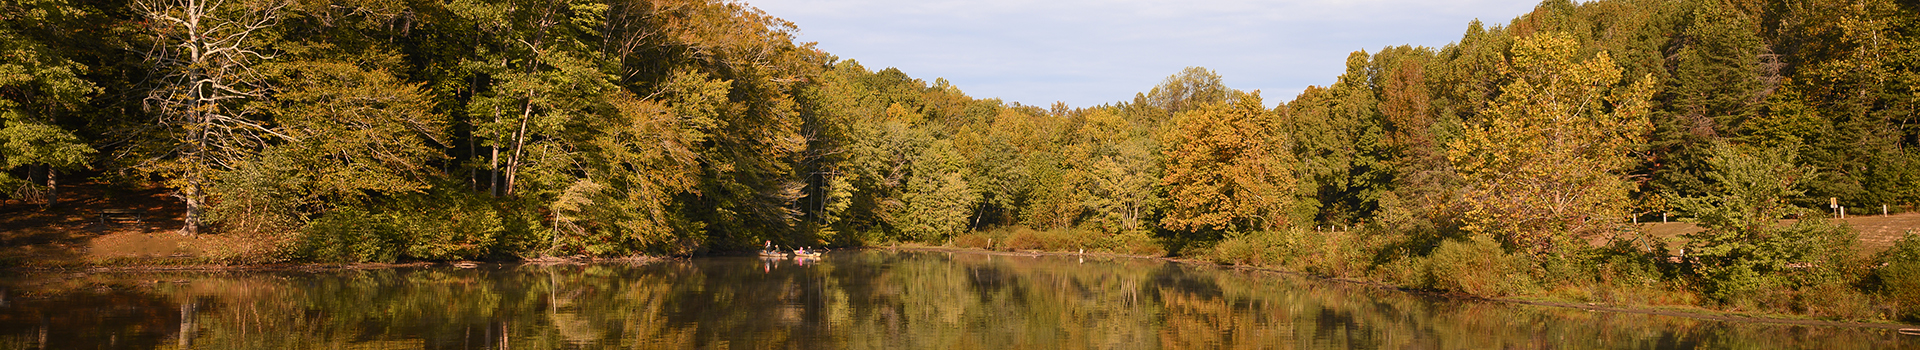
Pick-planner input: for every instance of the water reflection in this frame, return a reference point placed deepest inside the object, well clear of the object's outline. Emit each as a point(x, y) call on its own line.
point(865, 299)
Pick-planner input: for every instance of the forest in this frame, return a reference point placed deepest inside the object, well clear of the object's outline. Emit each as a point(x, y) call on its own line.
point(1515, 161)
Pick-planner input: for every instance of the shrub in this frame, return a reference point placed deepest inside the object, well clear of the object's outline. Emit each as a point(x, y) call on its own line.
point(1335, 254)
point(1477, 266)
point(262, 199)
point(1632, 271)
point(1744, 250)
point(445, 225)
point(1257, 248)
point(347, 235)
point(1063, 239)
point(1135, 243)
point(1331, 254)
point(1808, 253)
point(1898, 277)
point(1022, 238)
point(974, 239)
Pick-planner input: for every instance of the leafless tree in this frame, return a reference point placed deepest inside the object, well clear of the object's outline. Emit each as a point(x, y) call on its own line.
point(202, 63)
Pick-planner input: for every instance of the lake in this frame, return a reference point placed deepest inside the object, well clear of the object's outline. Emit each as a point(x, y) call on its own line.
point(864, 299)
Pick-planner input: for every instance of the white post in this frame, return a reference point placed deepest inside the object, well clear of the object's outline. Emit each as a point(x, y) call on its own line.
point(1663, 217)
point(1843, 212)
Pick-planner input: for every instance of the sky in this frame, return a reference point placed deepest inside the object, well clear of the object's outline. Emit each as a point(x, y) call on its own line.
point(1092, 52)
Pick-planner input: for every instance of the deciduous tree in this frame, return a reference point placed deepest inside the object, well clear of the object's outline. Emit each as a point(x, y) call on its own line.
point(204, 64)
point(1227, 168)
point(1547, 169)
point(40, 87)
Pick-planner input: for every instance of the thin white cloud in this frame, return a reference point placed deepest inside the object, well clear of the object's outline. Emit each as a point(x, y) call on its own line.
point(1087, 52)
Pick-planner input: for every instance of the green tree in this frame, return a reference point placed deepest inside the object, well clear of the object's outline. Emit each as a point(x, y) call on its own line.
point(997, 164)
point(354, 135)
point(1337, 133)
point(750, 182)
point(1716, 86)
point(40, 91)
point(1744, 247)
point(1468, 75)
point(937, 199)
point(888, 157)
point(1118, 161)
point(1850, 81)
point(914, 182)
point(639, 156)
point(360, 131)
point(1416, 134)
point(539, 61)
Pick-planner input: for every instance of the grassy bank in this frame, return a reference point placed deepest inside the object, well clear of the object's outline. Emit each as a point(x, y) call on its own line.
point(1059, 240)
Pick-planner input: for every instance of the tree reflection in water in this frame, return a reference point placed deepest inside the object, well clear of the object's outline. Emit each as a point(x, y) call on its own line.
point(863, 299)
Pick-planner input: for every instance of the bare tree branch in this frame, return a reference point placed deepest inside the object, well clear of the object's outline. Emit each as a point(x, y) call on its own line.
point(203, 61)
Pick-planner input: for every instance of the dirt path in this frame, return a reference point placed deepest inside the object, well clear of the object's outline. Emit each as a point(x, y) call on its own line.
point(70, 232)
point(1877, 232)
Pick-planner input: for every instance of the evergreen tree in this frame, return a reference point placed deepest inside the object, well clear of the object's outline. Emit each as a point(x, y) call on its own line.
point(1337, 134)
point(1715, 88)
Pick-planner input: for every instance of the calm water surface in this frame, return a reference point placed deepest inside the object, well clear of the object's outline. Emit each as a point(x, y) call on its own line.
point(860, 300)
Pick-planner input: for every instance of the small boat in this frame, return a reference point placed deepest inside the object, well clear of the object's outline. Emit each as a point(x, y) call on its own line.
point(804, 253)
point(772, 251)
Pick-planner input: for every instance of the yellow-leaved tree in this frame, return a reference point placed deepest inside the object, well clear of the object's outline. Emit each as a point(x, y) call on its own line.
point(1546, 167)
point(1227, 168)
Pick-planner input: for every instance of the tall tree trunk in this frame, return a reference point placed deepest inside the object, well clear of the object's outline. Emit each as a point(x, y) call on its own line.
point(192, 195)
point(191, 191)
point(201, 61)
point(493, 161)
point(519, 143)
point(493, 171)
point(53, 188)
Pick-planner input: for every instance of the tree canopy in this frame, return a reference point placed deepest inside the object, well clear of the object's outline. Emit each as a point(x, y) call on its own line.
point(358, 130)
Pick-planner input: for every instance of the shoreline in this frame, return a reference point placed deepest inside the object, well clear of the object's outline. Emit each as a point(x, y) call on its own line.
point(1703, 314)
point(163, 266)
point(1676, 311)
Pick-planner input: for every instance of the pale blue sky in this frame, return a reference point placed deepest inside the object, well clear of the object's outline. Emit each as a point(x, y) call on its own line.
point(1090, 52)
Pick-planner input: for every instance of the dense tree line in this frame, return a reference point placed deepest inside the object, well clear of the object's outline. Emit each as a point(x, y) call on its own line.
point(380, 130)
point(366, 130)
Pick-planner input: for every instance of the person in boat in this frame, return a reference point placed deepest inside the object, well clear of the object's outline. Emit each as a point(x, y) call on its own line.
point(771, 250)
point(807, 252)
